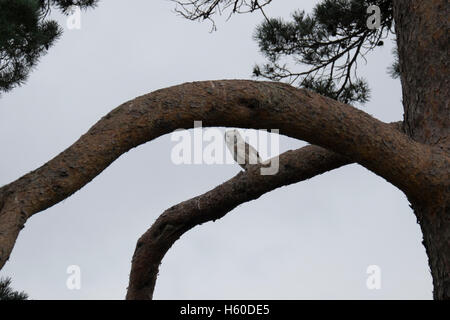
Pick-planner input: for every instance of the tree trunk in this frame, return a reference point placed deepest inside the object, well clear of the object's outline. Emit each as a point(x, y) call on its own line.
point(419, 168)
point(421, 28)
point(435, 224)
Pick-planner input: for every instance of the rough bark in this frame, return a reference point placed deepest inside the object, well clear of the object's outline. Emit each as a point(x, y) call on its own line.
point(294, 166)
point(422, 39)
point(297, 113)
point(151, 247)
point(418, 164)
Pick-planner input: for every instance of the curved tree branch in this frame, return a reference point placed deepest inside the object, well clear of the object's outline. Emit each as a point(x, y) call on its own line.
point(295, 166)
point(297, 113)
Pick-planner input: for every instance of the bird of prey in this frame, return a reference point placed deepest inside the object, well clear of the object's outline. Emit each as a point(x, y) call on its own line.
point(243, 153)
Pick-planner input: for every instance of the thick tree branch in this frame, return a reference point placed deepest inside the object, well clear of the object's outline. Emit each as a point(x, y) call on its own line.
point(295, 166)
point(297, 113)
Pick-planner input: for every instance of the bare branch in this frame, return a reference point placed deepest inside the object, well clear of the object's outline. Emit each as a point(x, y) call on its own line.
point(206, 9)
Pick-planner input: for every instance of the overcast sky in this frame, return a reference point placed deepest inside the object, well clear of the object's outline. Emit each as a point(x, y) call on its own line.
point(310, 240)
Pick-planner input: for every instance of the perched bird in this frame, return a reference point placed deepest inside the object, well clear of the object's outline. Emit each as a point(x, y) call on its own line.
point(243, 153)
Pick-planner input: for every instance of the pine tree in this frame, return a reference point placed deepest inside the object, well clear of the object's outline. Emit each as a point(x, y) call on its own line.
point(26, 34)
point(7, 293)
point(328, 43)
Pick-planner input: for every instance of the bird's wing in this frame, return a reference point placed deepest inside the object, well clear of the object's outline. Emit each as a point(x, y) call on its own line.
point(241, 153)
point(253, 156)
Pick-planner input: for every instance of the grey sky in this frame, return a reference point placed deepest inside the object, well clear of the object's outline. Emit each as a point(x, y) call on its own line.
point(310, 240)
